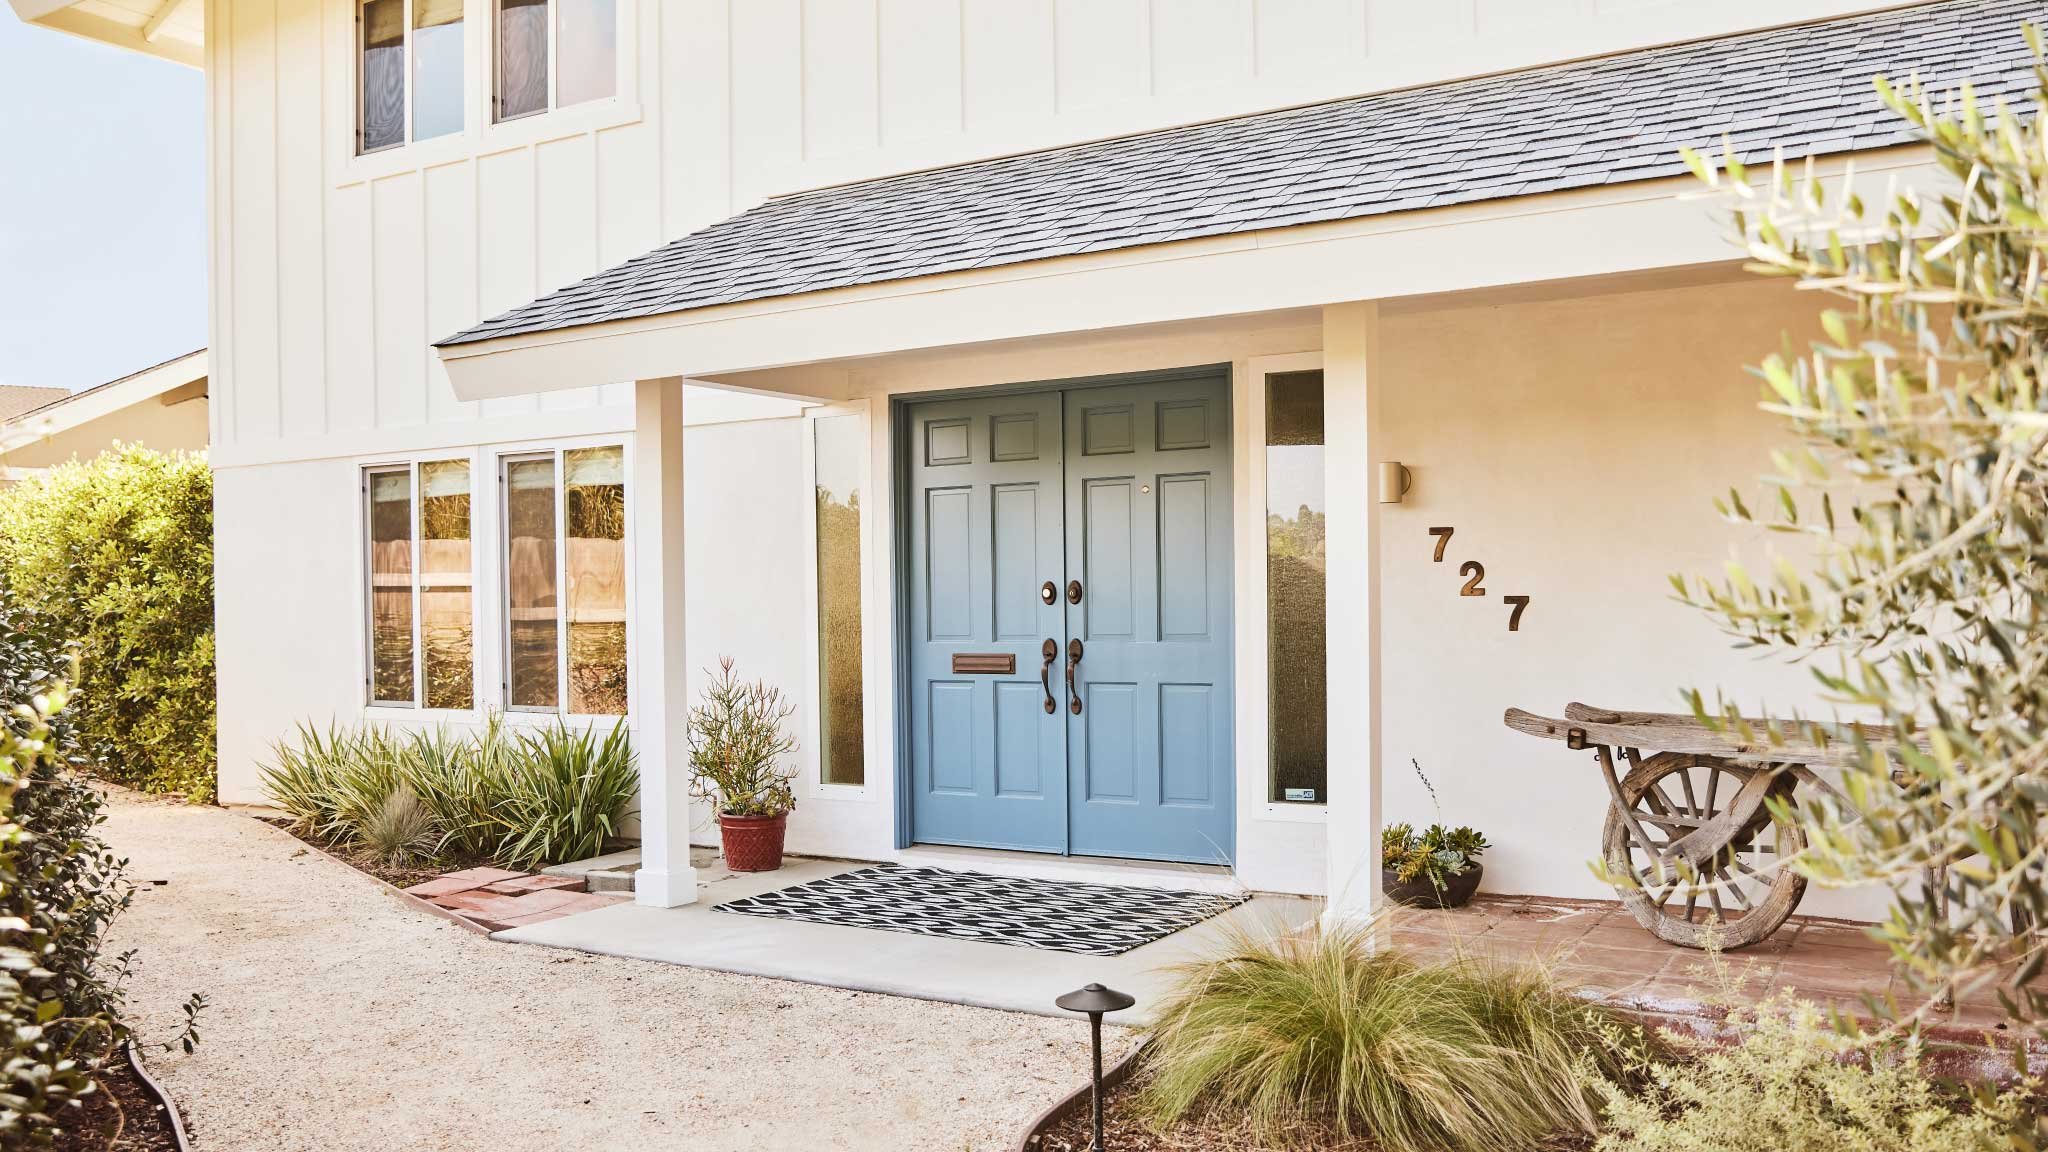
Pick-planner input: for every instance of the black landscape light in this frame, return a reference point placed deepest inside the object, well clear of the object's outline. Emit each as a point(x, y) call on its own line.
point(1096, 1000)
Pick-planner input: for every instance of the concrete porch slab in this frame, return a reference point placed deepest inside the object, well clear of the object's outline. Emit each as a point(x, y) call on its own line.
point(893, 963)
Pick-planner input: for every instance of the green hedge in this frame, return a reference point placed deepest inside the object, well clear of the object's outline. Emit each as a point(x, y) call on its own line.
point(117, 553)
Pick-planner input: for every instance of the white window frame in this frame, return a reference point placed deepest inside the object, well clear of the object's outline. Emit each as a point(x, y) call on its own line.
point(814, 678)
point(554, 104)
point(418, 708)
point(503, 591)
point(1254, 728)
point(411, 89)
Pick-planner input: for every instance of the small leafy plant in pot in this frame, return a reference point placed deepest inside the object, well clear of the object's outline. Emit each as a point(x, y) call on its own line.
point(738, 739)
point(1439, 868)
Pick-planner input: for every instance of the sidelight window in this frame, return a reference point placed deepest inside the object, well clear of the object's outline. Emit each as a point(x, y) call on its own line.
point(1295, 588)
point(838, 448)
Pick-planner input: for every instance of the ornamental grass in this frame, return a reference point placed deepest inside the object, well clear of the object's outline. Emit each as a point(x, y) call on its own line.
point(1317, 1032)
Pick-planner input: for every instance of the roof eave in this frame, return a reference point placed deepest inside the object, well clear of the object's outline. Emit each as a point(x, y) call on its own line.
point(1612, 229)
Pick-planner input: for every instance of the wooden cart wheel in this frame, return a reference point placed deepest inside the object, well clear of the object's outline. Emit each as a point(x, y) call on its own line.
point(1741, 897)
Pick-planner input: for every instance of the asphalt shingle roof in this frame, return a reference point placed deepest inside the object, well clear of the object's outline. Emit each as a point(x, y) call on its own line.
point(1620, 118)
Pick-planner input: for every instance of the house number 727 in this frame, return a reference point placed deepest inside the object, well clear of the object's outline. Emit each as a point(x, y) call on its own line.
point(1474, 572)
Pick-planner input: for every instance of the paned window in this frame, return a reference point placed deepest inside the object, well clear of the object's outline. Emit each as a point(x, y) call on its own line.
point(403, 101)
point(422, 618)
point(565, 581)
point(555, 53)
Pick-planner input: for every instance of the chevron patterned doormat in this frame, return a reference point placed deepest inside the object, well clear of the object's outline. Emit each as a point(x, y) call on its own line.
point(1089, 919)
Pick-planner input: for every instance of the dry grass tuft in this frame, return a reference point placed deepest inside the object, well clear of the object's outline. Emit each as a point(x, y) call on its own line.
point(1316, 1031)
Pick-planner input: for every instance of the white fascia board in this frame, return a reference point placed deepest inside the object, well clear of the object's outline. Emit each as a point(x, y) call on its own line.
point(1527, 240)
point(109, 398)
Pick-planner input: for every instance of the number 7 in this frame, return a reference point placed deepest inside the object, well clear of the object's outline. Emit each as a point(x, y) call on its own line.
point(1515, 617)
point(1443, 537)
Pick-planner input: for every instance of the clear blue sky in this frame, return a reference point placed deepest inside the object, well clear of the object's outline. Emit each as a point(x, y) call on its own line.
point(102, 209)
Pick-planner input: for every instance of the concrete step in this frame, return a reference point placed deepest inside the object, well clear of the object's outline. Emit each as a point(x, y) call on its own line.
point(612, 872)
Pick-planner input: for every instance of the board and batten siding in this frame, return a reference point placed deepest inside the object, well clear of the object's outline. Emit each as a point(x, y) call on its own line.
point(333, 273)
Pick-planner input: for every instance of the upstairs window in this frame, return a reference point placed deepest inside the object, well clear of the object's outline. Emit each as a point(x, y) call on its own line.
point(555, 53)
point(411, 74)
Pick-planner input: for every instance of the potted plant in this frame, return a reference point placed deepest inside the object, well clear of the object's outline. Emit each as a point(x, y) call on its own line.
point(1438, 869)
point(737, 744)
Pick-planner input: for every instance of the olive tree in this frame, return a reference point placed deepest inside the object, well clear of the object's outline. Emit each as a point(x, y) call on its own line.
point(1920, 477)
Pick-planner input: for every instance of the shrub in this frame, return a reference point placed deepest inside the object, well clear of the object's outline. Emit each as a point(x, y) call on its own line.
point(1922, 424)
point(567, 795)
point(117, 553)
point(1795, 1081)
point(737, 742)
point(525, 801)
point(1318, 1029)
point(400, 829)
point(463, 783)
point(60, 889)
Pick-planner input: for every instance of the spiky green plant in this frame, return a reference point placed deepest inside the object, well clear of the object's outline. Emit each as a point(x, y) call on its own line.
point(366, 773)
point(464, 782)
point(568, 795)
point(300, 779)
point(1317, 1031)
point(401, 828)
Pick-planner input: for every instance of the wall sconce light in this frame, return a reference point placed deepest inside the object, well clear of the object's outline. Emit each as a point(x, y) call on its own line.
point(1395, 480)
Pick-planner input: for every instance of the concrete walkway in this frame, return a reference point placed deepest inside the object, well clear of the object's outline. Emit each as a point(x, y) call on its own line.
point(894, 963)
point(345, 1019)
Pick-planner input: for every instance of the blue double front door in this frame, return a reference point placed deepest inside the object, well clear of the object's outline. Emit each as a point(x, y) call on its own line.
point(1069, 620)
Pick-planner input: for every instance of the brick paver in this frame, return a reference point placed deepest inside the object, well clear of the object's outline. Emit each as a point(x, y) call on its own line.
point(496, 898)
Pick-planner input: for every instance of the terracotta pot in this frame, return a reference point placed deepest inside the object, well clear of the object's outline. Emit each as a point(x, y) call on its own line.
point(753, 843)
point(1420, 893)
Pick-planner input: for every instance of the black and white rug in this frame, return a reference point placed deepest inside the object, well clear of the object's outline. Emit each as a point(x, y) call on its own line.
point(1090, 919)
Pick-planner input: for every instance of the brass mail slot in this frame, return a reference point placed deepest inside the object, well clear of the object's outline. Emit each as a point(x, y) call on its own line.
point(984, 664)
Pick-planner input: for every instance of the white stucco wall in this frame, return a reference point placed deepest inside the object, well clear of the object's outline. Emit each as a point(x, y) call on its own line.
point(1576, 446)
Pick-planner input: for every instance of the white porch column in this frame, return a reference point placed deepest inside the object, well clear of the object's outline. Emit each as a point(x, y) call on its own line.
point(660, 687)
point(1351, 337)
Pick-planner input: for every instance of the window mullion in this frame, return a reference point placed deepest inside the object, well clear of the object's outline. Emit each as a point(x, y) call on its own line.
point(408, 69)
point(419, 662)
point(561, 576)
point(554, 70)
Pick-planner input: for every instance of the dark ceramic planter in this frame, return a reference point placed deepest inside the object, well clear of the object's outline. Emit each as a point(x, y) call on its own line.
point(752, 843)
point(1420, 893)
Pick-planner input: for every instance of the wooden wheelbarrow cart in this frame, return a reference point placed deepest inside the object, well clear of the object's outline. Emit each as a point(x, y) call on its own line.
point(1690, 841)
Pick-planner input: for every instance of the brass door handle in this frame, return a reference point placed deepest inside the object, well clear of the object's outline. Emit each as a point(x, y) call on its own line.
point(1073, 661)
point(1051, 652)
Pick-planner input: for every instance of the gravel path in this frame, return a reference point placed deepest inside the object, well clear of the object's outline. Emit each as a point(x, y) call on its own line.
point(345, 1019)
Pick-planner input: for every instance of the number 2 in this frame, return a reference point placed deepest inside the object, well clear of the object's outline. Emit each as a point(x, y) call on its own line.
point(1515, 617)
point(1443, 537)
point(1474, 572)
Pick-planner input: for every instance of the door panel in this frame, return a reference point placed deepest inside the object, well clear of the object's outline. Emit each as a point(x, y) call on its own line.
point(1147, 480)
point(1126, 489)
point(988, 762)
